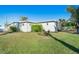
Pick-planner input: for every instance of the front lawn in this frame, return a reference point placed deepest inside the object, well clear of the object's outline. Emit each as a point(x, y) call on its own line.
point(37, 44)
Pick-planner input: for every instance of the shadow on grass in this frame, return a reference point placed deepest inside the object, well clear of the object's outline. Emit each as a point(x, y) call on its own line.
point(65, 44)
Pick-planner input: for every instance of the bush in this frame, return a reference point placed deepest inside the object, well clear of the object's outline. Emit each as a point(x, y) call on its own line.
point(70, 24)
point(13, 29)
point(37, 28)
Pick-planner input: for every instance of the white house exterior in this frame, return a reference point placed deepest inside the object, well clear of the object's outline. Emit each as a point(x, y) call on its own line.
point(26, 26)
point(49, 26)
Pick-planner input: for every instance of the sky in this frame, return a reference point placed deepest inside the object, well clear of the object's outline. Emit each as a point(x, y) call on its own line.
point(35, 13)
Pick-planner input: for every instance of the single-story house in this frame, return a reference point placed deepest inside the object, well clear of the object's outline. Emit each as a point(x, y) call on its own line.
point(25, 26)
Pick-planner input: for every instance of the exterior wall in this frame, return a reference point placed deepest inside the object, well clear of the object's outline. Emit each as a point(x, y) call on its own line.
point(25, 27)
point(7, 28)
point(50, 26)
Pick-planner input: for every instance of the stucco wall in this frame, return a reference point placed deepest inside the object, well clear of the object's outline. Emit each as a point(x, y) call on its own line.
point(50, 26)
point(25, 27)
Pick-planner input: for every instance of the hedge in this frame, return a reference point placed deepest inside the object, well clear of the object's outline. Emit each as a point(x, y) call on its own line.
point(37, 28)
point(13, 29)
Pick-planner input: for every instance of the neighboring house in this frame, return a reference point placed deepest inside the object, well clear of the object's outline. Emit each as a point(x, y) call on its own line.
point(25, 26)
point(1, 30)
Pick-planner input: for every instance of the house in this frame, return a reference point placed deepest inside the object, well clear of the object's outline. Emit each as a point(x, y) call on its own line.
point(49, 26)
point(25, 26)
point(21, 25)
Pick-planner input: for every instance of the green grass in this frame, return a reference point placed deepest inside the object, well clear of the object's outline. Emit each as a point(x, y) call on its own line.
point(72, 39)
point(37, 44)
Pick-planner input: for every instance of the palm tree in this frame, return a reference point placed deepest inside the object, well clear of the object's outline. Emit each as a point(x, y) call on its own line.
point(23, 18)
point(62, 23)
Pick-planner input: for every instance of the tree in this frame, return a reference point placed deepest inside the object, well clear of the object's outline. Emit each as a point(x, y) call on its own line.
point(77, 21)
point(62, 23)
point(74, 15)
point(23, 18)
point(72, 10)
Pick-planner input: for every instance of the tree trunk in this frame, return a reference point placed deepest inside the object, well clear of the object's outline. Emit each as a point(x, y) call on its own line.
point(78, 30)
point(77, 26)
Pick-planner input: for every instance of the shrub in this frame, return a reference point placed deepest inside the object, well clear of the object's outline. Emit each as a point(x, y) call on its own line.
point(36, 28)
point(13, 29)
point(70, 24)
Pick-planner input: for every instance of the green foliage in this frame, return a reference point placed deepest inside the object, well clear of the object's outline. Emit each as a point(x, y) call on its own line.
point(74, 12)
point(70, 24)
point(62, 22)
point(71, 9)
point(77, 12)
point(66, 25)
point(37, 28)
point(13, 29)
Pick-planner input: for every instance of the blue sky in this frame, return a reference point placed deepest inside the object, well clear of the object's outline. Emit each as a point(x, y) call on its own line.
point(12, 13)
